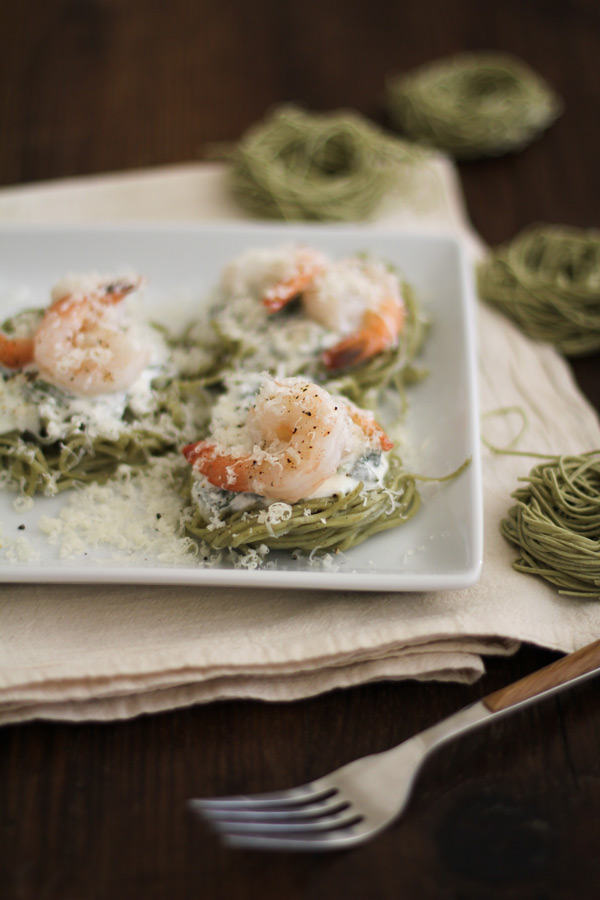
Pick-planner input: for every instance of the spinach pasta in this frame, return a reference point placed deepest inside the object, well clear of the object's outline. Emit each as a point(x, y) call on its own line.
point(351, 324)
point(289, 465)
point(335, 523)
point(274, 396)
point(86, 389)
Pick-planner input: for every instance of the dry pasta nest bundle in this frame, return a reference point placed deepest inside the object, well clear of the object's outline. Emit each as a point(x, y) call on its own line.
point(329, 166)
point(472, 104)
point(556, 524)
point(328, 524)
point(548, 281)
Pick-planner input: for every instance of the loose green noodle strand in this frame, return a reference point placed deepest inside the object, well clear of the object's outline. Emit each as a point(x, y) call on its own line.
point(324, 166)
point(547, 280)
point(472, 104)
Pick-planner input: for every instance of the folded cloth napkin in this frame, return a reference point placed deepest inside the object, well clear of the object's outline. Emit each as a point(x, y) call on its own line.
point(105, 651)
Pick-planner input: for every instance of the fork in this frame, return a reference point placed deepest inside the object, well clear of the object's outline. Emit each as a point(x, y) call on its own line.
point(354, 803)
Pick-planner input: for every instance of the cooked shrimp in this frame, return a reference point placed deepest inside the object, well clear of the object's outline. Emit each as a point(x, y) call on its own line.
point(273, 276)
point(298, 436)
point(360, 300)
point(379, 329)
point(15, 352)
point(307, 265)
point(83, 343)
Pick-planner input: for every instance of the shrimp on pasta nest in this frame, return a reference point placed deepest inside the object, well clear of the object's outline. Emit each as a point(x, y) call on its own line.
point(85, 342)
point(296, 437)
point(359, 300)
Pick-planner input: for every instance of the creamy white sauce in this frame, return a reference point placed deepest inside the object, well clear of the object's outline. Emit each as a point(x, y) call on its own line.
point(28, 404)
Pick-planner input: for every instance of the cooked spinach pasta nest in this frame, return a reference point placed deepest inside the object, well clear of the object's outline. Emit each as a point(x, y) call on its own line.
point(53, 446)
point(327, 524)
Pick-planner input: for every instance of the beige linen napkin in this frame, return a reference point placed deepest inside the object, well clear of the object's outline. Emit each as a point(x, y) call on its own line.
point(106, 652)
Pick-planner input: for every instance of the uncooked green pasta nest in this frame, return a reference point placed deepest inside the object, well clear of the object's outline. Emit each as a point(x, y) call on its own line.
point(556, 524)
point(323, 166)
point(472, 104)
point(547, 280)
point(328, 524)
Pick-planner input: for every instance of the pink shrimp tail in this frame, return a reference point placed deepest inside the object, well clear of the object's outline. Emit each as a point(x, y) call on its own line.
point(108, 294)
point(284, 292)
point(15, 353)
point(352, 351)
point(378, 332)
point(381, 437)
point(222, 470)
point(370, 428)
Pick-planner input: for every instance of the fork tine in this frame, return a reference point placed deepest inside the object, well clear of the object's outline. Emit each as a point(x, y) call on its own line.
point(307, 811)
point(306, 793)
point(343, 820)
point(313, 841)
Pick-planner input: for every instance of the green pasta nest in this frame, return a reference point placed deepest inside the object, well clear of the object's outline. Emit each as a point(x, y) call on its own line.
point(472, 104)
point(364, 384)
point(547, 280)
point(34, 462)
point(328, 524)
point(329, 166)
point(556, 524)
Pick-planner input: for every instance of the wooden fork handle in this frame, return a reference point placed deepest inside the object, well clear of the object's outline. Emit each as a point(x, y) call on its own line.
point(556, 675)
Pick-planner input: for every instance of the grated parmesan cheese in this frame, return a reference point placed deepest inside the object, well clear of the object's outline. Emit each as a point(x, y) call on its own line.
point(148, 506)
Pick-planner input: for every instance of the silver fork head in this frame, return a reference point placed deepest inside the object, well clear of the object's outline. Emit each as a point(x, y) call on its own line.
point(339, 810)
point(310, 817)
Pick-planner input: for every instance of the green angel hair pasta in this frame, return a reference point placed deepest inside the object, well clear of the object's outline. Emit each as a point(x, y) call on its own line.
point(472, 104)
point(85, 390)
point(352, 324)
point(290, 466)
point(555, 523)
point(323, 166)
point(547, 280)
point(334, 524)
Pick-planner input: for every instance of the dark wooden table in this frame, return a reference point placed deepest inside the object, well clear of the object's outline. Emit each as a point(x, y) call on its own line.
point(97, 811)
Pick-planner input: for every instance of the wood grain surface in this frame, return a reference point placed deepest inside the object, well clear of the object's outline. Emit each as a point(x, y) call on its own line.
point(98, 810)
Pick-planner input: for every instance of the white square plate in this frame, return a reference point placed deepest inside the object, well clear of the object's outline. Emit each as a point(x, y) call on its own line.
point(441, 547)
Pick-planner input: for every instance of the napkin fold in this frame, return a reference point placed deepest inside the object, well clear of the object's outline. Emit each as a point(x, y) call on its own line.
point(76, 652)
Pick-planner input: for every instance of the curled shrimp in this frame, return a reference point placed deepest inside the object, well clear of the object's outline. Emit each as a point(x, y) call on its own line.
point(273, 276)
point(83, 343)
point(360, 300)
point(298, 436)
